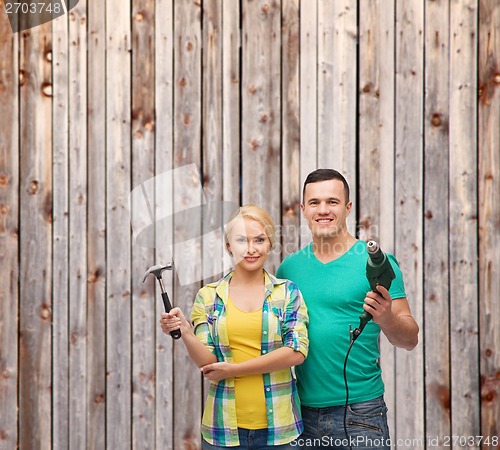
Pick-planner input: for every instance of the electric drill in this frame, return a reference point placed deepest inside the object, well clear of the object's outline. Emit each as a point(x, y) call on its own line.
point(378, 272)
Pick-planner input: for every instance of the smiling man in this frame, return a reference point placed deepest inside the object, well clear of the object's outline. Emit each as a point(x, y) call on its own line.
point(331, 274)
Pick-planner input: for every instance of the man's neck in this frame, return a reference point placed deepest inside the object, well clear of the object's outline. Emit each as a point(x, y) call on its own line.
point(327, 249)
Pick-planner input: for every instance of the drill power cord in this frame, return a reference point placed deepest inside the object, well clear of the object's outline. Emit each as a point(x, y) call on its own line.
point(352, 339)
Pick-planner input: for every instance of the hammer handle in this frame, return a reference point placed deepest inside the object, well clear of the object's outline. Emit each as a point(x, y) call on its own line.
point(176, 334)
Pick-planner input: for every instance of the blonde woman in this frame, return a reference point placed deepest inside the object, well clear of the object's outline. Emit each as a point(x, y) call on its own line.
point(250, 328)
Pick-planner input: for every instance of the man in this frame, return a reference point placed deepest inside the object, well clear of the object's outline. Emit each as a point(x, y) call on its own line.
point(331, 274)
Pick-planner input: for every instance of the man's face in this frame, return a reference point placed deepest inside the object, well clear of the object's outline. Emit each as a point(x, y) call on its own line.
point(325, 208)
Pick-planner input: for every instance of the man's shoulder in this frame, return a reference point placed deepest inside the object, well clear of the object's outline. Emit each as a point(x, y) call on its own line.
point(288, 267)
point(298, 254)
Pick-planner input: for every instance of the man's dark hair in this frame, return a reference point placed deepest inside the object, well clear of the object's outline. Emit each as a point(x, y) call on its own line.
point(325, 175)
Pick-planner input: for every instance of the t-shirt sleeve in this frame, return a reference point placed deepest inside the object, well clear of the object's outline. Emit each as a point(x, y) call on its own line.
point(397, 289)
point(280, 273)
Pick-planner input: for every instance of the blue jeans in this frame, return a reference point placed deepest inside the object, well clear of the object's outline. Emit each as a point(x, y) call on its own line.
point(366, 424)
point(250, 440)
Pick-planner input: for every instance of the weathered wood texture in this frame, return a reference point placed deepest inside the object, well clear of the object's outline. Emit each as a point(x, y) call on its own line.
point(187, 196)
point(163, 151)
point(118, 240)
point(376, 145)
point(237, 101)
point(35, 239)
point(96, 235)
point(261, 98)
point(144, 316)
point(9, 235)
point(436, 216)
point(409, 102)
point(464, 321)
point(489, 213)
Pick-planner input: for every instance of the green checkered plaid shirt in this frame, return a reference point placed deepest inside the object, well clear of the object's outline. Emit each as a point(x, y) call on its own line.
point(284, 323)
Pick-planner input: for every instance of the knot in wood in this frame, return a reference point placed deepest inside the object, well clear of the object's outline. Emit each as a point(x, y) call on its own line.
point(33, 187)
point(4, 209)
point(3, 180)
point(45, 312)
point(22, 78)
point(436, 120)
point(139, 17)
point(47, 89)
point(189, 46)
point(497, 78)
point(265, 8)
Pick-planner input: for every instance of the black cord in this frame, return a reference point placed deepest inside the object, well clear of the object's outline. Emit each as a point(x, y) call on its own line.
point(347, 389)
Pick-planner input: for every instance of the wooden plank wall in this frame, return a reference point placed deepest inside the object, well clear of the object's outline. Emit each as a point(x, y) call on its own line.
point(402, 97)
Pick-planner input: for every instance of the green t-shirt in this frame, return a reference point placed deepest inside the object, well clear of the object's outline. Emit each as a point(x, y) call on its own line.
point(334, 294)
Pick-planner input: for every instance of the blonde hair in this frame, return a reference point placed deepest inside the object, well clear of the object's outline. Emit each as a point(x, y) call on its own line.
point(252, 212)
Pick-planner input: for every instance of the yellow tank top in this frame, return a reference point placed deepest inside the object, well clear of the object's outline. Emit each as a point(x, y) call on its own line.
point(245, 331)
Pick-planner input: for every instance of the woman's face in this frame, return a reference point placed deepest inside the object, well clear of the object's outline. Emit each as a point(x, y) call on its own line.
point(249, 244)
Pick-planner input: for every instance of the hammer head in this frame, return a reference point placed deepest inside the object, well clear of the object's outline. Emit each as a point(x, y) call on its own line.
point(157, 271)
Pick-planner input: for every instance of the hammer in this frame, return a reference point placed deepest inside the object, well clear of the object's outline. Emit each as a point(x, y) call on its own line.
point(156, 271)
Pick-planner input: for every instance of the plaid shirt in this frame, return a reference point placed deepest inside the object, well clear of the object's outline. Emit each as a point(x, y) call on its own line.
point(284, 323)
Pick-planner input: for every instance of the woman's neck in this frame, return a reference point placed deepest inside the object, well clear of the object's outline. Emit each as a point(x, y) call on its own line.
point(243, 277)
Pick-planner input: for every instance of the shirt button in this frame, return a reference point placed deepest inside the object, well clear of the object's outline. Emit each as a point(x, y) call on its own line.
point(263, 351)
point(265, 332)
point(270, 410)
point(268, 389)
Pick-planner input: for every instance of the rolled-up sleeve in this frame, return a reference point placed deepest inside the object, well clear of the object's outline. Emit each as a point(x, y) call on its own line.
point(295, 321)
point(199, 320)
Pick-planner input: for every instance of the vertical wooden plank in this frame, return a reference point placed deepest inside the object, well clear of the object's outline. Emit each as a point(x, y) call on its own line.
point(337, 36)
point(164, 150)
point(35, 366)
point(231, 85)
point(291, 183)
point(212, 147)
point(325, 93)
point(376, 148)
point(9, 233)
point(344, 112)
point(261, 107)
point(144, 319)
point(118, 173)
point(376, 121)
point(463, 219)
point(489, 213)
point(409, 224)
point(60, 247)
point(309, 97)
point(77, 266)
point(213, 254)
point(187, 141)
point(96, 228)
point(436, 194)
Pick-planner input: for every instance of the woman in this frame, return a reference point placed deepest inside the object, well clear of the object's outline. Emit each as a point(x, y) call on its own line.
point(249, 330)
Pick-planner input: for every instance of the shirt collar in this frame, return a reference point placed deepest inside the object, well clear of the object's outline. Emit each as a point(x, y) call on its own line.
point(270, 281)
